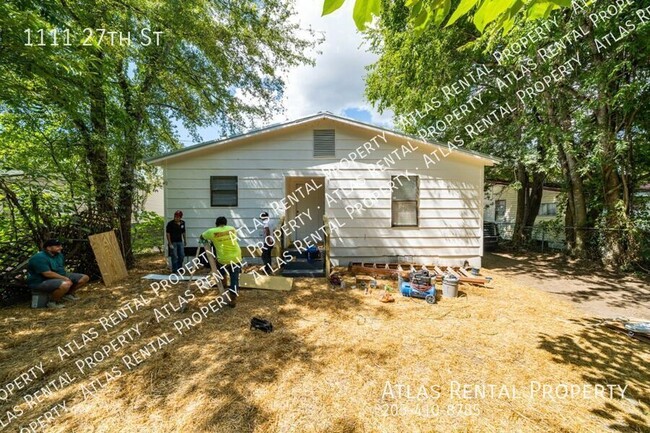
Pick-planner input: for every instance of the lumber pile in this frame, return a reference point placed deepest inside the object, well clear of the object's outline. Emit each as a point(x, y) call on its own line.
point(463, 275)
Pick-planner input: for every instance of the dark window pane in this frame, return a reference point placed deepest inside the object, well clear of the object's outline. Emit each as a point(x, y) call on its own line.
point(223, 190)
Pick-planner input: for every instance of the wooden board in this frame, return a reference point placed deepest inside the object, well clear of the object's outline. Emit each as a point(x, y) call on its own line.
point(405, 268)
point(108, 256)
point(263, 282)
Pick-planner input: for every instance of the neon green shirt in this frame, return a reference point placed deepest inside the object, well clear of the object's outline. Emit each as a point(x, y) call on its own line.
point(224, 239)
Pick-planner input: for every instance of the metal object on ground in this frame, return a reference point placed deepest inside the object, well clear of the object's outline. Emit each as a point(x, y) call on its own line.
point(450, 286)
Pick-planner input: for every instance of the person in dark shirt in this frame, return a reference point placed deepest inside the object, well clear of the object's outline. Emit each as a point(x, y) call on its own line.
point(176, 240)
point(268, 243)
point(46, 273)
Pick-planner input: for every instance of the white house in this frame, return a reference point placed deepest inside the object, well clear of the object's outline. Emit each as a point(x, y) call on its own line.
point(501, 208)
point(501, 203)
point(387, 196)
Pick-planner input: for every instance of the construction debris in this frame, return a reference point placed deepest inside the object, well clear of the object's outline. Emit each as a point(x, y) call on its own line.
point(404, 269)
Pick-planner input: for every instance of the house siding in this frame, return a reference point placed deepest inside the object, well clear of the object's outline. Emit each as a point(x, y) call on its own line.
point(450, 199)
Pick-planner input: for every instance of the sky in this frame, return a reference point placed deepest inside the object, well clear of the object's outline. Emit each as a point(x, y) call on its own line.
point(334, 84)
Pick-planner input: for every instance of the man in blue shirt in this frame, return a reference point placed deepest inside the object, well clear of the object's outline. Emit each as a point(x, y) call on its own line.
point(46, 273)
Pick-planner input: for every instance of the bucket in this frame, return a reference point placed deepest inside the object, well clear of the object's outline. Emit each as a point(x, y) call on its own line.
point(449, 286)
point(475, 272)
point(39, 299)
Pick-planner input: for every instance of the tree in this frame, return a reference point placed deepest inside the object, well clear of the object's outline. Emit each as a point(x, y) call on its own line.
point(588, 126)
point(424, 14)
point(121, 86)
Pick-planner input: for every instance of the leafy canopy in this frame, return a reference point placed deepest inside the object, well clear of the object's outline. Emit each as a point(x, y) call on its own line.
point(424, 13)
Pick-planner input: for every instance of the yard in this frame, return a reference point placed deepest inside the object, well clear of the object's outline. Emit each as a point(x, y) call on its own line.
point(508, 358)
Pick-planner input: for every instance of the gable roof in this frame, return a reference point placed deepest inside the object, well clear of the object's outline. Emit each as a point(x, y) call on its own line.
point(486, 159)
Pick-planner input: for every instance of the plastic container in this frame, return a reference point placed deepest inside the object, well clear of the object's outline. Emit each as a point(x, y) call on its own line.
point(313, 253)
point(39, 299)
point(449, 286)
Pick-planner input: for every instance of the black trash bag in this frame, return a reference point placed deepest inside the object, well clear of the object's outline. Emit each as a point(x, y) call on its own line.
point(261, 324)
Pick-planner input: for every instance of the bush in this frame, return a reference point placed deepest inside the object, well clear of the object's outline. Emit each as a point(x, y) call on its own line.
point(148, 232)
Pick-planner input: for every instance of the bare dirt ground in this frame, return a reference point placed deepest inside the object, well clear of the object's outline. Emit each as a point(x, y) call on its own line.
point(506, 358)
point(598, 292)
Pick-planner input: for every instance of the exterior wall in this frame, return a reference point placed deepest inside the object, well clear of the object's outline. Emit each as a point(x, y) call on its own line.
point(450, 199)
point(155, 202)
point(509, 194)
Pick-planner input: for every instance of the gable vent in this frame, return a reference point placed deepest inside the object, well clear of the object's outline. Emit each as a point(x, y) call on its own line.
point(324, 140)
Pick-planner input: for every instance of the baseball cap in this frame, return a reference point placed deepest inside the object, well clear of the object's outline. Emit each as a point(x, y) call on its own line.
point(51, 243)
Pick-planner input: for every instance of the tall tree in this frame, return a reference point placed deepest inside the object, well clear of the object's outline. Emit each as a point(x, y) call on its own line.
point(134, 68)
point(588, 122)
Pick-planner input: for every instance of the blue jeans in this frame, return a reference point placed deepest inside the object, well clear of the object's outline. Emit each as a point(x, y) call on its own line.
point(177, 254)
point(233, 273)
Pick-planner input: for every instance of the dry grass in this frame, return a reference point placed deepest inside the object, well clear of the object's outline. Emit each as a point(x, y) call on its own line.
point(326, 366)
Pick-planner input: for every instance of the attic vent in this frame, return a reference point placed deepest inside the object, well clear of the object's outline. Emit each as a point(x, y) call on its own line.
point(324, 143)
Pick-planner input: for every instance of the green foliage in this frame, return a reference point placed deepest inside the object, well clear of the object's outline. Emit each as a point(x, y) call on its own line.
point(85, 114)
point(587, 132)
point(502, 14)
point(148, 232)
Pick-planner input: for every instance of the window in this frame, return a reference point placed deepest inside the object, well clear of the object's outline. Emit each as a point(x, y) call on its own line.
point(548, 209)
point(404, 201)
point(223, 190)
point(499, 210)
point(324, 140)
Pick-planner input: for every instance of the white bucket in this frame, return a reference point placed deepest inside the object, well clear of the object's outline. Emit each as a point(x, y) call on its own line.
point(449, 286)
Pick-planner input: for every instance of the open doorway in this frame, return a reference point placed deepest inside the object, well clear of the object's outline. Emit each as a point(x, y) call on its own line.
point(306, 196)
point(305, 199)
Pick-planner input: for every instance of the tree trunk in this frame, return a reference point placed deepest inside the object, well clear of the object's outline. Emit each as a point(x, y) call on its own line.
point(576, 235)
point(534, 200)
point(96, 152)
point(518, 235)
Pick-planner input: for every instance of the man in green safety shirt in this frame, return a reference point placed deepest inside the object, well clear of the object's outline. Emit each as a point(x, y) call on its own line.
point(224, 239)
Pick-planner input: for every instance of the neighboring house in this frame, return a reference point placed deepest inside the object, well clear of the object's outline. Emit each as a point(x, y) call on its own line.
point(501, 208)
point(155, 202)
point(373, 184)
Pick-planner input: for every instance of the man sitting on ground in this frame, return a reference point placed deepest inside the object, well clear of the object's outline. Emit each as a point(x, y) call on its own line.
point(46, 273)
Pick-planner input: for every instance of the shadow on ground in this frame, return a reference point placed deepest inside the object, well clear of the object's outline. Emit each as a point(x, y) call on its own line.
point(609, 358)
point(581, 282)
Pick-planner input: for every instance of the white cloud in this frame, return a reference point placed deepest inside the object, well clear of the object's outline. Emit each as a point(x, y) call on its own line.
point(336, 82)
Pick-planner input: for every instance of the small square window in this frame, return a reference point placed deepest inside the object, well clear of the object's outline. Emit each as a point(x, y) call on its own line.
point(548, 209)
point(223, 191)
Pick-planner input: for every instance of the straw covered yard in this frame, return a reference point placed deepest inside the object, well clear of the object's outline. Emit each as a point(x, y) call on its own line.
point(501, 359)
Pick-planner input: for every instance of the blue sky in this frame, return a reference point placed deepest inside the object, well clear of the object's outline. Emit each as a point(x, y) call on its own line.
point(335, 84)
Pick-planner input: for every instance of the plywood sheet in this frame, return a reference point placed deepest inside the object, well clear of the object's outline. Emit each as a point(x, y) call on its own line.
point(282, 284)
point(108, 256)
